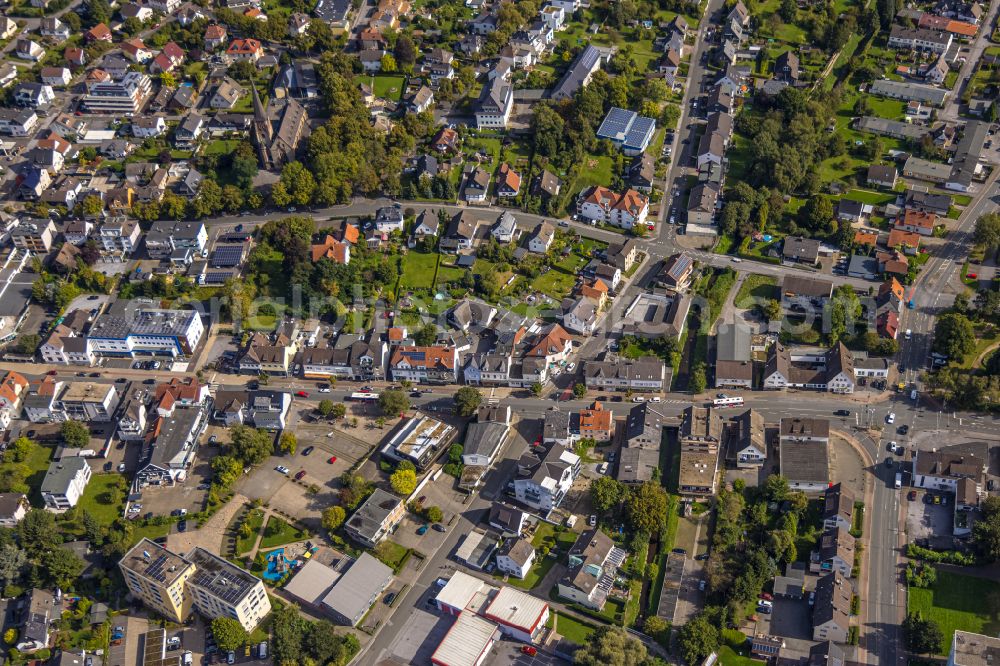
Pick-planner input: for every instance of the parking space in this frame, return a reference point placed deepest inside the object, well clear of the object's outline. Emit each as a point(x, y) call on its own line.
point(926, 519)
point(510, 652)
point(791, 619)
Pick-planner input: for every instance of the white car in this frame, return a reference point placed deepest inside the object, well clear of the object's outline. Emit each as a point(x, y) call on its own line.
point(571, 367)
point(603, 469)
point(638, 398)
point(890, 417)
point(284, 470)
point(736, 260)
point(592, 520)
point(324, 390)
point(655, 399)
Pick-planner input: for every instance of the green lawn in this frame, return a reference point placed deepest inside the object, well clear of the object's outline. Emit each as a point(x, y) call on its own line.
point(392, 554)
point(149, 532)
point(95, 498)
point(870, 197)
point(572, 629)
point(537, 572)
point(594, 171)
point(546, 535)
point(756, 289)
point(417, 270)
point(388, 86)
point(448, 272)
point(38, 463)
point(245, 544)
point(957, 602)
point(278, 533)
point(221, 147)
point(728, 657)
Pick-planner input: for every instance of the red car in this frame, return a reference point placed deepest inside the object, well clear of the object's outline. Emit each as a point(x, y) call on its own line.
point(766, 596)
point(332, 459)
point(302, 394)
point(529, 650)
point(298, 477)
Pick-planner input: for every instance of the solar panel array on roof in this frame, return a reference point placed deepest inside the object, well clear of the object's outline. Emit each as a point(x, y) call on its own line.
point(616, 124)
point(155, 570)
point(637, 132)
point(154, 650)
point(226, 256)
point(218, 277)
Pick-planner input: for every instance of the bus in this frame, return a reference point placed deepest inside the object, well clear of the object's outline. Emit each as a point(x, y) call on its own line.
point(363, 397)
point(728, 402)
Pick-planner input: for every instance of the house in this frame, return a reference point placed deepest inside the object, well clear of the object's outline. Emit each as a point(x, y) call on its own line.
point(245, 49)
point(136, 51)
point(804, 453)
point(939, 204)
point(641, 441)
point(477, 185)
point(13, 507)
point(908, 91)
point(32, 615)
point(838, 508)
point(907, 241)
point(468, 313)
point(542, 238)
point(579, 74)
point(625, 210)
point(702, 202)
point(215, 36)
point(28, 49)
point(579, 315)
point(853, 211)
point(882, 175)
point(461, 232)
point(786, 68)
point(33, 95)
point(8, 27)
point(642, 172)
point(832, 609)
point(55, 76)
point(99, 33)
point(190, 129)
point(733, 364)
point(940, 470)
point(434, 364)
point(52, 27)
point(670, 63)
point(375, 518)
point(389, 219)
point(64, 483)
point(332, 249)
point(75, 57)
point(592, 566)
point(646, 373)
point(493, 107)
point(862, 267)
point(446, 140)
point(505, 228)
point(746, 441)
point(918, 222)
point(622, 255)
point(544, 479)
point(145, 127)
point(515, 557)
point(801, 250)
point(887, 325)
point(676, 272)
point(508, 181)
point(919, 39)
point(226, 94)
point(508, 520)
point(804, 291)
point(421, 100)
point(764, 646)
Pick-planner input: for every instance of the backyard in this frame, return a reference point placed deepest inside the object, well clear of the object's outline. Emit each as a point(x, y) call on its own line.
point(417, 270)
point(756, 289)
point(572, 629)
point(278, 533)
point(956, 601)
point(103, 497)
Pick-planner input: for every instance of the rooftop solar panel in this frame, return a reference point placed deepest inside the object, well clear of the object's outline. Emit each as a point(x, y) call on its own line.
point(227, 255)
point(616, 124)
point(218, 277)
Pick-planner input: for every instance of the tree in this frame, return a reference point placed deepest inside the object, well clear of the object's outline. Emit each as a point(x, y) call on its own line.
point(987, 231)
point(242, 70)
point(433, 514)
point(229, 633)
point(606, 493)
point(656, 626)
point(75, 434)
point(339, 410)
point(579, 389)
point(426, 335)
point(954, 336)
point(27, 344)
point(403, 481)
point(393, 402)
point(288, 443)
point(60, 566)
point(333, 517)
point(12, 563)
point(244, 167)
point(10, 636)
point(697, 380)
point(610, 646)
point(536, 388)
point(227, 469)
point(37, 531)
point(697, 639)
point(168, 80)
point(325, 407)
point(922, 636)
point(20, 450)
point(251, 446)
point(406, 52)
point(324, 644)
point(646, 507)
point(817, 213)
point(388, 63)
point(467, 401)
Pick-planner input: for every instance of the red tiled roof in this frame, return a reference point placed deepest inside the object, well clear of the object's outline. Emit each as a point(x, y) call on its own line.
point(330, 248)
point(424, 357)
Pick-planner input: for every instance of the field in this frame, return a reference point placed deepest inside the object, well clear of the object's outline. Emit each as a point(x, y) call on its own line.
point(96, 496)
point(957, 602)
point(755, 289)
point(278, 533)
point(388, 87)
point(572, 629)
point(417, 270)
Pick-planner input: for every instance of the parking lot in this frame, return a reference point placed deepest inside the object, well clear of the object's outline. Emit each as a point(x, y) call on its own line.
point(791, 619)
point(926, 520)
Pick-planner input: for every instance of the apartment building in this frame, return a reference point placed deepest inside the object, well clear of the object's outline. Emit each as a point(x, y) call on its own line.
point(64, 483)
point(126, 96)
point(593, 563)
point(174, 585)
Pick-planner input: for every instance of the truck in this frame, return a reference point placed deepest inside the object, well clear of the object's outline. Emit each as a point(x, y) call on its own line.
point(899, 480)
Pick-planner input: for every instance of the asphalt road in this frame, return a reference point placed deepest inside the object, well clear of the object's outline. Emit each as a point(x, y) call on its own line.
point(975, 52)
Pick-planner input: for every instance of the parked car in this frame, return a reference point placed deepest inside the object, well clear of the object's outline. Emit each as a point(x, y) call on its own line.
point(300, 475)
point(282, 469)
point(438, 527)
point(529, 650)
point(306, 451)
point(389, 598)
point(422, 530)
point(592, 521)
point(302, 394)
point(332, 459)
point(890, 418)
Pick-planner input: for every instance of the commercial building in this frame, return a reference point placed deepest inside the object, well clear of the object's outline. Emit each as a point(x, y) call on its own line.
point(803, 452)
point(174, 585)
point(136, 328)
point(64, 483)
point(969, 649)
point(126, 96)
point(168, 238)
point(940, 470)
point(435, 364)
point(627, 130)
point(375, 518)
point(169, 450)
point(909, 92)
point(467, 643)
point(646, 373)
point(418, 440)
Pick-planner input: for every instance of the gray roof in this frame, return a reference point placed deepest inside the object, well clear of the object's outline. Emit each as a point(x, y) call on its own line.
point(353, 593)
point(804, 462)
point(800, 248)
point(60, 474)
point(909, 91)
point(369, 517)
point(573, 79)
point(733, 342)
point(636, 465)
point(484, 438)
point(219, 577)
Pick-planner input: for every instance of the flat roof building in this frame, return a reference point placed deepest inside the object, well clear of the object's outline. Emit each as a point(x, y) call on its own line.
point(417, 440)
